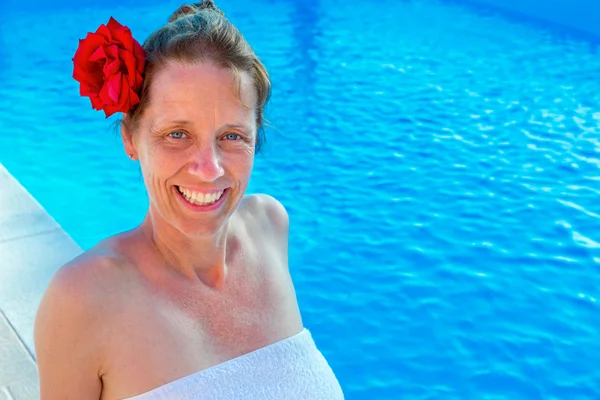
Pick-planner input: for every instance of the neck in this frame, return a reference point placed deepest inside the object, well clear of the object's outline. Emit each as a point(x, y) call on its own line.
point(198, 258)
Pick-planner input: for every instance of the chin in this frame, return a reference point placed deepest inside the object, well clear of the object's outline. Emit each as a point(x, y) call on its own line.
point(199, 221)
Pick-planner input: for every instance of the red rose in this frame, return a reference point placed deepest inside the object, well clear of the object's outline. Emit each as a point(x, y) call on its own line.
point(109, 65)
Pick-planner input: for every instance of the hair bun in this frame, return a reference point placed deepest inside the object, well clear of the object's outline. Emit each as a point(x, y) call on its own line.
point(209, 5)
point(190, 9)
point(182, 11)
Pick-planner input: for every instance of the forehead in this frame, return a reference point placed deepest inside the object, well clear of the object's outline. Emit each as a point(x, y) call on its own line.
point(203, 90)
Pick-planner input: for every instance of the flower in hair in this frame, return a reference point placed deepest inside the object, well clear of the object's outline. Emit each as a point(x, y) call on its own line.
point(109, 66)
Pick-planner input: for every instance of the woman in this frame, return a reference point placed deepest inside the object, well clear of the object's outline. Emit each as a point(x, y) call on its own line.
point(196, 302)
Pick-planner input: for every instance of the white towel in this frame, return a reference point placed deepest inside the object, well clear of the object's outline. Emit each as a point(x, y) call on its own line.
point(292, 368)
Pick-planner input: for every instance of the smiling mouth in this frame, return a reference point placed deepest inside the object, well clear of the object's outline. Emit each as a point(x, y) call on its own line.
point(199, 198)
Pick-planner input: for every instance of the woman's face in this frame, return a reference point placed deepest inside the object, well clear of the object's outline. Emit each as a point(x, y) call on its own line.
point(195, 143)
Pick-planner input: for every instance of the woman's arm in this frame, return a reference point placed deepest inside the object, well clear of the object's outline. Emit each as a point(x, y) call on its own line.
point(66, 334)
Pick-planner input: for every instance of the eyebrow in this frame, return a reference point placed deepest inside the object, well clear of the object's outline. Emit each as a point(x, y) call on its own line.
point(238, 126)
point(178, 122)
point(157, 123)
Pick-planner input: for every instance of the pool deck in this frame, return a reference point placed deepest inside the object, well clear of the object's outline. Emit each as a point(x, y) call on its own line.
point(32, 247)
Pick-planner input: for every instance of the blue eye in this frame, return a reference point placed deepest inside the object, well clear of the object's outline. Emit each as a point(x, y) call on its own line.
point(177, 135)
point(232, 136)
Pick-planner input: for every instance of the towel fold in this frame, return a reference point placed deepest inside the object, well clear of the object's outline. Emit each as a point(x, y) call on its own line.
point(292, 368)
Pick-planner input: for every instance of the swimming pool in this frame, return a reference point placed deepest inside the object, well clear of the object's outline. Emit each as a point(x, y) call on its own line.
point(441, 168)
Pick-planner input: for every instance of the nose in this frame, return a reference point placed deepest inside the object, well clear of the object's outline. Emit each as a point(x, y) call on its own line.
point(206, 163)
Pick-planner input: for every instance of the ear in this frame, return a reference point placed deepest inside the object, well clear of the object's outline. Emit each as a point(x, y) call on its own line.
point(128, 142)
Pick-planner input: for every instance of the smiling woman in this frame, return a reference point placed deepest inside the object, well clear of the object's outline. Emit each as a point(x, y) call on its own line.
point(197, 301)
point(195, 140)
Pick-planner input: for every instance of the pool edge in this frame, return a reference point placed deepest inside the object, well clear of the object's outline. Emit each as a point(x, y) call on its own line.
point(32, 248)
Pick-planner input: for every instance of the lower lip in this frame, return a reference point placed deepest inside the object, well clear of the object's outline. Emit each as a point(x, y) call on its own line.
point(199, 208)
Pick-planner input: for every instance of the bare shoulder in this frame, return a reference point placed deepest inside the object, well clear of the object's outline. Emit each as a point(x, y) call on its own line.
point(268, 221)
point(77, 290)
point(70, 327)
point(84, 280)
point(268, 209)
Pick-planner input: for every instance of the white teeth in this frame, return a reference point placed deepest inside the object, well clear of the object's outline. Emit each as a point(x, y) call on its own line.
point(199, 198)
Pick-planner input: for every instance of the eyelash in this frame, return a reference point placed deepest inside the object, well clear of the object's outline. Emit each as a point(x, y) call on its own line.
point(237, 134)
point(185, 135)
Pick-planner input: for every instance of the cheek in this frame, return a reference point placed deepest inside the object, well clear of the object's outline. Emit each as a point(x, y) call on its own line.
point(157, 166)
point(242, 162)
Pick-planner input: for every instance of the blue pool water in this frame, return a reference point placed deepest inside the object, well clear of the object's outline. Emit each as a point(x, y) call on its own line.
point(440, 165)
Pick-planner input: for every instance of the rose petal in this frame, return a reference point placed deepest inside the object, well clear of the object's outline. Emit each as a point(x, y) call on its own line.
point(124, 99)
point(113, 24)
point(112, 50)
point(88, 74)
point(87, 46)
point(81, 64)
point(133, 82)
point(104, 32)
point(134, 99)
point(92, 76)
point(135, 78)
point(98, 55)
point(109, 64)
point(124, 103)
point(123, 37)
point(108, 111)
point(89, 89)
point(104, 91)
point(131, 67)
point(140, 56)
point(136, 81)
point(112, 68)
point(114, 86)
point(128, 60)
point(97, 102)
